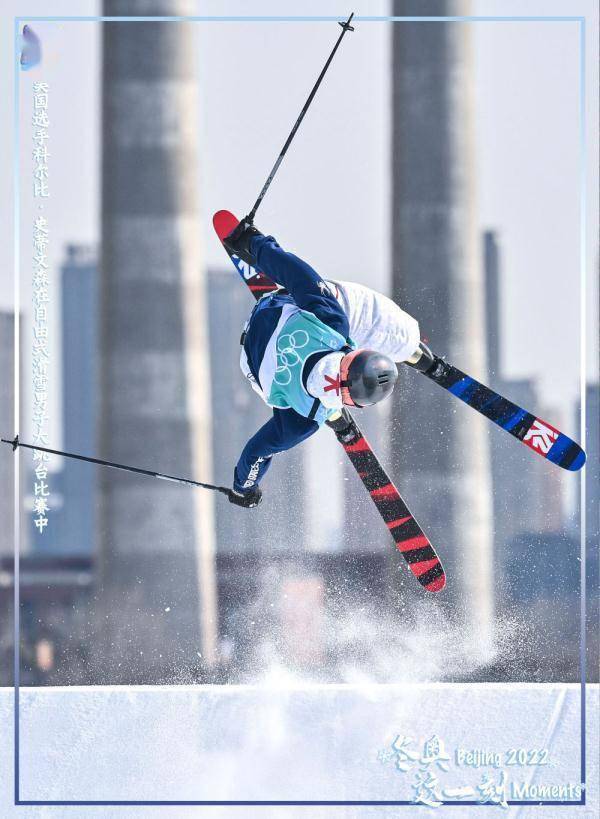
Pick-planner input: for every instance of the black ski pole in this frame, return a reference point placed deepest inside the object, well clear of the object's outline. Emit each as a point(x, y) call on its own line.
point(345, 27)
point(15, 443)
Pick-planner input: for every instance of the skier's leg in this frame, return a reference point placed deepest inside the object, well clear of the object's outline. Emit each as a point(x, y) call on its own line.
point(307, 288)
point(309, 291)
point(264, 253)
point(289, 270)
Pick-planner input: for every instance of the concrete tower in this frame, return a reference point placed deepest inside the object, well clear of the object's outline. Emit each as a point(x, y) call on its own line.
point(80, 395)
point(441, 446)
point(157, 549)
point(7, 422)
point(7, 461)
point(491, 267)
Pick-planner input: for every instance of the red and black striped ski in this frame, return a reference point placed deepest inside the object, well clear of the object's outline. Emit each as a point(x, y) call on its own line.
point(412, 543)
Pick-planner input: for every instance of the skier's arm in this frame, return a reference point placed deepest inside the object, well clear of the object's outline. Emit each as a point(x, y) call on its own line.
point(307, 288)
point(283, 431)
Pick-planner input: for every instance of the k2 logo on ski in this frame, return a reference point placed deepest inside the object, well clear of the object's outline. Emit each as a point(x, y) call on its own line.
point(244, 268)
point(539, 436)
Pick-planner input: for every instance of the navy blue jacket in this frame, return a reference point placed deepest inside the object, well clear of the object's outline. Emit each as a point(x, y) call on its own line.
point(308, 291)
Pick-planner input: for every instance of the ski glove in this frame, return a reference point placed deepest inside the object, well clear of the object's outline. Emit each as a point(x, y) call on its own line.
point(246, 499)
point(238, 241)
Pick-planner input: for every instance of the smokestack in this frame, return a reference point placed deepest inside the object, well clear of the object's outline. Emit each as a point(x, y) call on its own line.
point(441, 447)
point(157, 548)
point(491, 266)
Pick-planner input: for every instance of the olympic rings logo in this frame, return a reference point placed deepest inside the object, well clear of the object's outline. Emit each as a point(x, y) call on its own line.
point(287, 357)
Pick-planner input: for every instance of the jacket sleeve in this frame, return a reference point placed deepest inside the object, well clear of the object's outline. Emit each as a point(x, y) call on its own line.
point(283, 431)
point(307, 288)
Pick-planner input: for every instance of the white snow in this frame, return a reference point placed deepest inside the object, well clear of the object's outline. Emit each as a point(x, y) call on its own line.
point(283, 741)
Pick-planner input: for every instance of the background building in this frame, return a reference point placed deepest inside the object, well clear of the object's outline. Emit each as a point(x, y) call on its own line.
point(440, 449)
point(7, 428)
point(7, 425)
point(157, 542)
point(80, 317)
point(529, 496)
point(592, 520)
point(72, 528)
point(536, 542)
point(592, 474)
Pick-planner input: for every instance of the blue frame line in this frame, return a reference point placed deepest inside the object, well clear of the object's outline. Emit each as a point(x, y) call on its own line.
point(583, 283)
point(583, 396)
point(404, 802)
point(17, 410)
point(299, 19)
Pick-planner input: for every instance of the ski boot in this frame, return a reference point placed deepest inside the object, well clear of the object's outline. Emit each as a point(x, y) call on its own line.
point(343, 426)
point(425, 361)
point(239, 239)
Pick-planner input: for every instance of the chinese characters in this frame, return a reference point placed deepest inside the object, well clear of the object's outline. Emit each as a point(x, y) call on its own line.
point(426, 765)
point(40, 138)
point(40, 301)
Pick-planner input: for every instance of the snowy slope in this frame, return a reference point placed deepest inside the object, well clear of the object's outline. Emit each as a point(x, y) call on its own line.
point(289, 743)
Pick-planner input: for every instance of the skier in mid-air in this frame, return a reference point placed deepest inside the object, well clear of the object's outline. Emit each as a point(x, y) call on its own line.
point(309, 349)
point(312, 347)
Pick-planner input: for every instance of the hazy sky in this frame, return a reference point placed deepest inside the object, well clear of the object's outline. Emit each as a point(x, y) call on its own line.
point(330, 201)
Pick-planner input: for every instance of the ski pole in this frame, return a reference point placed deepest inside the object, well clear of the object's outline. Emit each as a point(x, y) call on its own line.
point(345, 27)
point(15, 443)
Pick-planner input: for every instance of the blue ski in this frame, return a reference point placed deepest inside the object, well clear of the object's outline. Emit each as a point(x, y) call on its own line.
point(538, 435)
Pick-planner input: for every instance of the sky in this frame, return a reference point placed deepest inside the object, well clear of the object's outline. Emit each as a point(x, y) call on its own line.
point(330, 201)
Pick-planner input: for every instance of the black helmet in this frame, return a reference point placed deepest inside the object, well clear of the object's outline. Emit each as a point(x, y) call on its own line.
point(366, 377)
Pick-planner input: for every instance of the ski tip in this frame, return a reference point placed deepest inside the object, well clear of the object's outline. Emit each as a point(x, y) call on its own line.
point(224, 222)
point(566, 453)
point(430, 574)
point(418, 552)
point(436, 585)
point(578, 462)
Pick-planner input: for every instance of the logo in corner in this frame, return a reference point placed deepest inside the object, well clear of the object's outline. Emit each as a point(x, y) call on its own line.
point(31, 49)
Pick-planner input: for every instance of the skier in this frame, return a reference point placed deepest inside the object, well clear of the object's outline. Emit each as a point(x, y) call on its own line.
point(309, 349)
